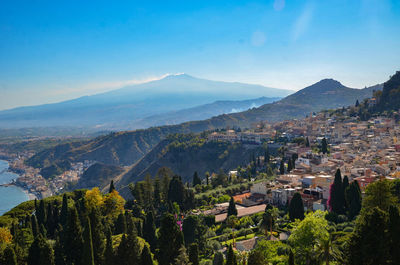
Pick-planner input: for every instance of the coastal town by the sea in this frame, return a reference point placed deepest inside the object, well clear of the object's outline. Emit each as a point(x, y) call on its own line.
point(20, 182)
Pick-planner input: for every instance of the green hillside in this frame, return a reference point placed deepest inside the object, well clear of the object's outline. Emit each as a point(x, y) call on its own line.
point(185, 154)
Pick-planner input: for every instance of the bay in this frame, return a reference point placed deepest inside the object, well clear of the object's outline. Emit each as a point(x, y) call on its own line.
point(10, 196)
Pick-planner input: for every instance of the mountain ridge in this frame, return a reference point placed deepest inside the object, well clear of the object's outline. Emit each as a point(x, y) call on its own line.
point(126, 148)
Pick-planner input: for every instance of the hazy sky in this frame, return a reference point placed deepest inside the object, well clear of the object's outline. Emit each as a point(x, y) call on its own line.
point(55, 50)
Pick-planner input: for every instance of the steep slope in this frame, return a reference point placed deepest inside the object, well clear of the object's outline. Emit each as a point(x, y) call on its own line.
point(126, 148)
point(98, 175)
point(185, 154)
point(124, 108)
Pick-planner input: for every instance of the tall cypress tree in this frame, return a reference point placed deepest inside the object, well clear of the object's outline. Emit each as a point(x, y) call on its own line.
point(282, 167)
point(97, 236)
point(290, 165)
point(40, 252)
point(112, 187)
point(120, 225)
point(109, 252)
point(393, 233)
point(324, 146)
point(73, 239)
point(9, 257)
point(194, 254)
point(145, 256)
point(196, 179)
point(296, 207)
point(50, 223)
point(169, 241)
point(232, 207)
point(345, 186)
point(41, 213)
point(64, 211)
point(149, 230)
point(35, 226)
point(59, 253)
point(88, 257)
point(336, 199)
point(218, 259)
point(354, 199)
point(157, 191)
point(231, 257)
point(176, 191)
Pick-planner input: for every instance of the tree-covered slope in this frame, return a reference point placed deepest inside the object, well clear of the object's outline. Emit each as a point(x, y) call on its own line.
point(185, 154)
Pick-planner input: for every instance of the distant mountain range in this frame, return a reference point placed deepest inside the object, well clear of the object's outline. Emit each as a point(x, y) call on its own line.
point(127, 148)
point(135, 107)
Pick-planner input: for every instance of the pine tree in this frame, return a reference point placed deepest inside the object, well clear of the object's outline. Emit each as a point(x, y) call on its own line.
point(73, 239)
point(232, 208)
point(169, 241)
point(9, 257)
point(112, 187)
point(196, 179)
point(218, 259)
point(231, 257)
point(98, 237)
point(307, 142)
point(149, 230)
point(109, 252)
point(88, 256)
point(194, 254)
point(40, 252)
point(296, 207)
point(207, 178)
point(357, 103)
point(145, 257)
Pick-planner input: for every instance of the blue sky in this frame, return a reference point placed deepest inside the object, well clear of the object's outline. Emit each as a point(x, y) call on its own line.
point(56, 50)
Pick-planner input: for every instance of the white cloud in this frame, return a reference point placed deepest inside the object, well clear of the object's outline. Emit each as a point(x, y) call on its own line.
point(302, 23)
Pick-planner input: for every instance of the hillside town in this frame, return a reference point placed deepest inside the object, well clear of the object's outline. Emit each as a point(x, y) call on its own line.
point(365, 151)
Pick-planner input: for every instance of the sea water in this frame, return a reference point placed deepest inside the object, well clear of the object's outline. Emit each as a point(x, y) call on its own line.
point(10, 196)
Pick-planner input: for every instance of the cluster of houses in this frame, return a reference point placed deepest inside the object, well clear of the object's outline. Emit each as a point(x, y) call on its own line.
point(365, 151)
